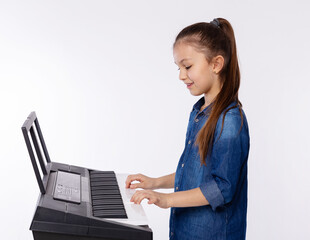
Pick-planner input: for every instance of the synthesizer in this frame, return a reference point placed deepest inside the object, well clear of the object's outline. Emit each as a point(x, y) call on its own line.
point(80, 203)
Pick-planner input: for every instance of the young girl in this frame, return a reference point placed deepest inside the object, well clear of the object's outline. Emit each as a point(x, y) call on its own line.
point(210, 183)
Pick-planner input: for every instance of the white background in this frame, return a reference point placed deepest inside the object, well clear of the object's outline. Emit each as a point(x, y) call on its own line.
point(101, 77)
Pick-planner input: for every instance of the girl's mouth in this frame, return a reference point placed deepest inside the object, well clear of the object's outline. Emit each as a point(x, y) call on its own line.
point(189, 85)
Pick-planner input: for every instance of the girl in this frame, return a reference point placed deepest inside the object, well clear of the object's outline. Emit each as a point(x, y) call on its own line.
point(210, 183)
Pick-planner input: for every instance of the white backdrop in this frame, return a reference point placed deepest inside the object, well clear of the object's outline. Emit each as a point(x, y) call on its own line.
point(101, 77)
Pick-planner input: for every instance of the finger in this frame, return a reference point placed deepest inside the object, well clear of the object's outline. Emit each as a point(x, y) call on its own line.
point(151, 201)
point(134, 196)
point(128, 180)
point(131, 178)
point(136, 185)
point(148, 195)
point(138, 196)
point(142, 196)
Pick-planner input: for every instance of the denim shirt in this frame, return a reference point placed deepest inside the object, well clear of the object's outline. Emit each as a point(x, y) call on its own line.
point(223, 180)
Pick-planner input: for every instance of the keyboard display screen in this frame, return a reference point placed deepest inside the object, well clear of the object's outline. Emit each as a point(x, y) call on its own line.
point(68, 187)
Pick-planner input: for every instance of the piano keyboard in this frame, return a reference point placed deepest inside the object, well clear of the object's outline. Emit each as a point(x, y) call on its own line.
point(80, 203)
point(109, 199)
point(105, 194)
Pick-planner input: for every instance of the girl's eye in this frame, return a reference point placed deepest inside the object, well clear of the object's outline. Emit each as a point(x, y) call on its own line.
point(185, 67)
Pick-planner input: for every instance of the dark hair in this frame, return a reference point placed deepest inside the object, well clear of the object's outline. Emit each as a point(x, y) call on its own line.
point(212, 41)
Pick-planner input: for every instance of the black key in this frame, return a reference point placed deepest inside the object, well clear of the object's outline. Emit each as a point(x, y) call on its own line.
point(95, 197)
point(108, 207)
point(105, 192)
point(107, 202)
point(103, 183)
point(103, 175)
point(100, 179)
point(105, 188)
point(110, 214)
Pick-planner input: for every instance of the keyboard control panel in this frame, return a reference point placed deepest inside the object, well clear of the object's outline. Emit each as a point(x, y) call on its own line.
point(68, 187)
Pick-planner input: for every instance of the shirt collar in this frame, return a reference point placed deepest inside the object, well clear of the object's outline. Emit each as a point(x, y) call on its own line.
point(199, 104)
point(206, 111)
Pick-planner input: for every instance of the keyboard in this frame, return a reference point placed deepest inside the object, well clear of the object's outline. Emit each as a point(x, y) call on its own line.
point(78, 203)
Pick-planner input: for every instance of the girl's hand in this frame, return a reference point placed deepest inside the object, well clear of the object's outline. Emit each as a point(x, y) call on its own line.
point(145, 182)
point(161, 200)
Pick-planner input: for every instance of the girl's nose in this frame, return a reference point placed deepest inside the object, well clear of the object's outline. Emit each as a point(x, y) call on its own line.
point(182, 75)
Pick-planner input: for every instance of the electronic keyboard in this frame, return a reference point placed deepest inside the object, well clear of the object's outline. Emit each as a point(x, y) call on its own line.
point(80, 203)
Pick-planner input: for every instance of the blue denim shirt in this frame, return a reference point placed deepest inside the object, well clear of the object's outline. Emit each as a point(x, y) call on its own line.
point(223, 180)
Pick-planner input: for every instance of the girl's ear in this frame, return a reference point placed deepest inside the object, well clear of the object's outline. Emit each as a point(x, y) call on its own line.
point(218, 63)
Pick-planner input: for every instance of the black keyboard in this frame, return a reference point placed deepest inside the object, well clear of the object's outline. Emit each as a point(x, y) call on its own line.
point(78, 203)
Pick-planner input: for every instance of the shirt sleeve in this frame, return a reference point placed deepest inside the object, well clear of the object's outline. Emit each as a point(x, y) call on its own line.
point(226, 162)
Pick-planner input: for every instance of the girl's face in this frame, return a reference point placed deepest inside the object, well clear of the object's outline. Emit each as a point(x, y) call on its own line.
point(195, 71)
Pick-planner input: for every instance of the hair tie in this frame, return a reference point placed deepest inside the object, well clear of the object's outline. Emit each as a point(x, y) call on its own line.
point(216, 22)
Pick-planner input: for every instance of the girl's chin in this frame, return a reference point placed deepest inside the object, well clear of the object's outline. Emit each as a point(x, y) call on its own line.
point(195, 93)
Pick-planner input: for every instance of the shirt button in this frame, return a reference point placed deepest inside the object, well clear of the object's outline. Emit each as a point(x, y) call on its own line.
point(189, 142)
point(173, 211)
point(182, 164)
point(177, 188)
point(196, 120)
point(171, 233)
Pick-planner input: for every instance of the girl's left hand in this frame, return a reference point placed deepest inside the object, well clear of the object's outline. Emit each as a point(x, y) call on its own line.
point(161, 200)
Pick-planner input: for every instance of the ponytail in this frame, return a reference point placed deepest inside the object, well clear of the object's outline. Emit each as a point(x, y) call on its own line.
point(213, 40)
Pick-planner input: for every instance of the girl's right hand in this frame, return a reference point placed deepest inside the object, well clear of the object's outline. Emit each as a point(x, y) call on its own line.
point(144, 181)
